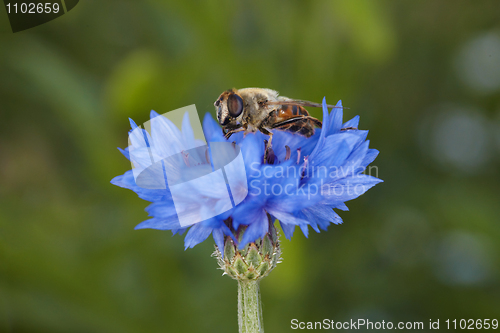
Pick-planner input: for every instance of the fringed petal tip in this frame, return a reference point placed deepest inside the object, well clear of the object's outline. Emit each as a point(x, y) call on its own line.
point(133, 125)
point(153, 114)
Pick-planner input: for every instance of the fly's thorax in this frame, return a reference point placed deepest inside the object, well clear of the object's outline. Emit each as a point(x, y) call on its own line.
point(257, 116)
point(256, 111)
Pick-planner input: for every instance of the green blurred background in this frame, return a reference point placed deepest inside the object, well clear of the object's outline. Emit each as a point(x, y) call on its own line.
point(424, 77)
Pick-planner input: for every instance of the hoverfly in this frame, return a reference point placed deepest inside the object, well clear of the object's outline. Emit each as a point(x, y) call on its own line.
point(260, 109)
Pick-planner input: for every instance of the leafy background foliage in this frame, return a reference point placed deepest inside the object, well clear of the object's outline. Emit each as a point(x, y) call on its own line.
point(423, 76)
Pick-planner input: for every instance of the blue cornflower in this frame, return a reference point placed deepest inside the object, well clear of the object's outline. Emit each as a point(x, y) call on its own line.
point(300, 183)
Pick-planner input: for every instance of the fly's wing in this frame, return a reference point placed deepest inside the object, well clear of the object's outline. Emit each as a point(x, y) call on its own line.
point(288, 101)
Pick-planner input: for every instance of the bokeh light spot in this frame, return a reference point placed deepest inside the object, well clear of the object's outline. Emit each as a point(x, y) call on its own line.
point(458, 138)
point(478, 63)
point(463, 259)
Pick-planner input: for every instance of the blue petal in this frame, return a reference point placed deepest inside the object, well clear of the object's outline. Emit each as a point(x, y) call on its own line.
point(352, 166)
point(326, 117)
point(132, 123)
point(313, 221)
point(153, 114)
point(166, 136)
point(304, 229)
point(362, 135)
point(342, 206)
point(295, 198)
point(218, 236)
point(127, 181)
point(169, 223)
point(252, 150)
point(257, 229)
point(179, 231)
point(288, 229)
point(212, 130)
point(338, 147)
point(321, 139)
point(286, 217)
point(326, 213)
point(336, 119)
point(196, 234)
point(248, 213)
point(138, 137)
point(188, 134)
point(293, 141)
point(370, 157)
point(348, 188)
point(125, 152)
point(333, 154)
point(354, 122)
point(162, 209)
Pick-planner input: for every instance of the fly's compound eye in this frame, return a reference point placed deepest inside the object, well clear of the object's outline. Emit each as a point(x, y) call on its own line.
point(234, 105)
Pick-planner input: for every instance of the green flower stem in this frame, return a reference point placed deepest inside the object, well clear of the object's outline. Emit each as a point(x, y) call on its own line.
point(249, 307)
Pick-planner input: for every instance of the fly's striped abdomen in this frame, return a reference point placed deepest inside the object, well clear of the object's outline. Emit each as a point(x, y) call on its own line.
point(290, 111)
point(294, 119)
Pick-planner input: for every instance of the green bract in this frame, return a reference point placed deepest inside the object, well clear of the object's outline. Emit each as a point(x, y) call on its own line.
point(255, 260)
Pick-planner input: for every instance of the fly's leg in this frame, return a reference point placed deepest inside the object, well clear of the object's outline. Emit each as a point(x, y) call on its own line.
point(228, 134)
point(267, 148)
